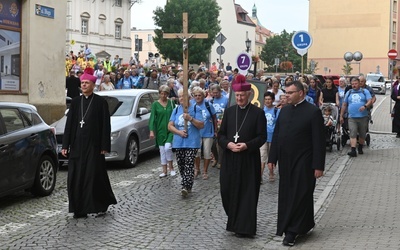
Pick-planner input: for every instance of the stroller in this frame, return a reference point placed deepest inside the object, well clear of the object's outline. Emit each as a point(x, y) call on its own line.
point(346, 131)
point(330, 119)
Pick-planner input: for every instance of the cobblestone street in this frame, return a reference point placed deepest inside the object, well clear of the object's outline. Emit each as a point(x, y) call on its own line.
point(151, 214)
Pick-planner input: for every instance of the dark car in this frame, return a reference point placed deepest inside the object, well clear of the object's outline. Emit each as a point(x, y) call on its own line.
point(28, 151)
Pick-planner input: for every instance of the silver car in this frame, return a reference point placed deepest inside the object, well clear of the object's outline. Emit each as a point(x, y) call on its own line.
point(130, 113)
point(377, 83)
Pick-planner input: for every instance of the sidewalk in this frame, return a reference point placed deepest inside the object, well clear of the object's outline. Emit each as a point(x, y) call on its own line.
point(362, 210)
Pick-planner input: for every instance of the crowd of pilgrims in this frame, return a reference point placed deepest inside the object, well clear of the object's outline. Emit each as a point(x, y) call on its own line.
point(209, 90)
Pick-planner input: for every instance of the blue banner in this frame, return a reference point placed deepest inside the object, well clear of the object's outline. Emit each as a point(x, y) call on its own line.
point(10, 13)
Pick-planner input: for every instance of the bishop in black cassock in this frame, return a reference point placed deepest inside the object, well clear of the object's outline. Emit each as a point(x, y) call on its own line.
point(298, 146)
point(241, 135)
point(87, 136)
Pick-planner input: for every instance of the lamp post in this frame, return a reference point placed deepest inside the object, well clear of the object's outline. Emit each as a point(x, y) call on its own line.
point(248, 45)
point(357, 57)
point(286, 61)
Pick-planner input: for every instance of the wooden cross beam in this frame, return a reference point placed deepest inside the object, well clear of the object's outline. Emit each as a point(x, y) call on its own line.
point(185, 36)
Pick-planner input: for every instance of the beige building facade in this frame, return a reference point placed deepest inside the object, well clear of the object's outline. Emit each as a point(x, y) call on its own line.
point(37, 76)
point(144, 48)
point(340, 26)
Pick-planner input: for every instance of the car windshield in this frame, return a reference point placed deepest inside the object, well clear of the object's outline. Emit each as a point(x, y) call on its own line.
point(123, 107)
point(374, 78)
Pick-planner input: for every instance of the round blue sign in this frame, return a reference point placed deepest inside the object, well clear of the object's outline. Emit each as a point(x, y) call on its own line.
point(243, 61)
point(301, 40)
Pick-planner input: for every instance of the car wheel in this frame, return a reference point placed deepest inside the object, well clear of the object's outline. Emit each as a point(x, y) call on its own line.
point(45, 179)
point(132, 152)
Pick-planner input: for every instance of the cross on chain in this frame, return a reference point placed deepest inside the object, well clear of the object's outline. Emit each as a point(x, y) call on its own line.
point(185, 36)
point(236, 137)
point(82, 123)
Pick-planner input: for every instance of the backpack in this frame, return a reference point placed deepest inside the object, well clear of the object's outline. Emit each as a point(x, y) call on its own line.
point(140, 82)
point(362, 91)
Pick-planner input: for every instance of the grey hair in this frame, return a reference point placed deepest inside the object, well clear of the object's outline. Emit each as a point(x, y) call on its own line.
point(164, 88)
point(198, 90)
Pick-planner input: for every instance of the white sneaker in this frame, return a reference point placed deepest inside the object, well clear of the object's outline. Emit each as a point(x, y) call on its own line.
point(162, 175)
point(172, 173)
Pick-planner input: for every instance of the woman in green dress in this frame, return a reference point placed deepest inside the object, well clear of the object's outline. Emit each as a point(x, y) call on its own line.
point(160, 113)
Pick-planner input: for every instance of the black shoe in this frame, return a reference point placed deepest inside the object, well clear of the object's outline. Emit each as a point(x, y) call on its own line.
point(239, 235)
point(289, 239)
point(77, 216)
point(360, 151)
point(352, 154)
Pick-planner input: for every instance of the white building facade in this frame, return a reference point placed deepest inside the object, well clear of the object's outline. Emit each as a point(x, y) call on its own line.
point(102, 24)
point(236, 26)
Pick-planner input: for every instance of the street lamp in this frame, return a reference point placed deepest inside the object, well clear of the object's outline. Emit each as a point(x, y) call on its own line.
point(357, 56)
point(248, 45)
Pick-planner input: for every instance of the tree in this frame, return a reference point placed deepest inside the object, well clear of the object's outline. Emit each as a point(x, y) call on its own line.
point(276, 47)
point(203, 18)
point(347, 69)
point(311, 68)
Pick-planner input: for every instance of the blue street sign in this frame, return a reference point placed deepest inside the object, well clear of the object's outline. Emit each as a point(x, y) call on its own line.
point(301, 40)
point(44, 11)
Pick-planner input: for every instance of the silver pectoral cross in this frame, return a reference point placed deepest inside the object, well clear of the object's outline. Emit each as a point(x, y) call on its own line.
point(236, 136)
point(82, 122)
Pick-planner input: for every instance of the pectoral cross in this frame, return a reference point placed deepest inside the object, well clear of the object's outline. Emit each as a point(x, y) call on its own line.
point(82, 122)
point(185, 36)
point(236, 136)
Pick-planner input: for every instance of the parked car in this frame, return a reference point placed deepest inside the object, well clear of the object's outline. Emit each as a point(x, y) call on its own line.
point(130, 113)
point(335, 78)
point(376, 82)
point(28, 151)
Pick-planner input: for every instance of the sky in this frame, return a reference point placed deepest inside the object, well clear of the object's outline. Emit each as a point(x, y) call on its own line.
point(275, 15)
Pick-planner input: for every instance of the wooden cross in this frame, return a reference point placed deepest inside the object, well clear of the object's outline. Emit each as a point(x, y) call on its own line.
point(185, 36)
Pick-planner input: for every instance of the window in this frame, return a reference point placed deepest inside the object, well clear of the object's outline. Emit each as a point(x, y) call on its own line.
point(149, 38)
point(85, 23)
point(84, 27)
point(118, 31)
point(145, 102)
point(118, 28)
point(118, 3)
point(12, 120)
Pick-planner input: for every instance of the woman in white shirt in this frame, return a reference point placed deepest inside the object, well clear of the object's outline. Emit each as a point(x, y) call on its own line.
point(277, 91)
point(107, 84)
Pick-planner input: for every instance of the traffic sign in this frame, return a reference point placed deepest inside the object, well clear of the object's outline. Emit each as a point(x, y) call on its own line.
point(243, 63)
point(301, 40)
point(221, 38)
point(220, 50)
point(392, 54)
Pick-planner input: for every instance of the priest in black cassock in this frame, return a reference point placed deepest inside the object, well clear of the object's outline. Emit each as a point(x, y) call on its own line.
point(241, 135)
point(298, 146)
point(86, 140)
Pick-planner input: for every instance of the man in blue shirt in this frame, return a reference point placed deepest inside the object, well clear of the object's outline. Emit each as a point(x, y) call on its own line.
point(126, 82)
point(357, 101)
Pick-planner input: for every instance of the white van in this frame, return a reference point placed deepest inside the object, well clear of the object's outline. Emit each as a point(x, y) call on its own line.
point(376, 82)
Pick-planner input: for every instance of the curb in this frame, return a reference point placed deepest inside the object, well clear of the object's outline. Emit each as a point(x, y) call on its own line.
point(331, 184)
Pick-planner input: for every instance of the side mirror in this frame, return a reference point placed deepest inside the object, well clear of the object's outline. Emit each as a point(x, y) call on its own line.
point(142, 111)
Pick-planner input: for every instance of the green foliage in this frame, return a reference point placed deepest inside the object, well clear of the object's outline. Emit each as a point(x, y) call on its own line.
point(347, 69)
point(311, 70)
point(276, 47)
point(203, 18)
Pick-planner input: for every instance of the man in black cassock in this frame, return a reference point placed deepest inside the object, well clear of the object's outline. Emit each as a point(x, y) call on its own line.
point(72, 84)
point(298, 145)
point(241, 135)
point(86, 140)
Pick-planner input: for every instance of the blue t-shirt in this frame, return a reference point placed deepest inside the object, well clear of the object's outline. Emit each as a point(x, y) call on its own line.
point(208, 130)
point(355, 99)
point(193, 139)
point(271, 115)
point(341, 93)
point(220, 105)
point(310, 100)
point(125, 83)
